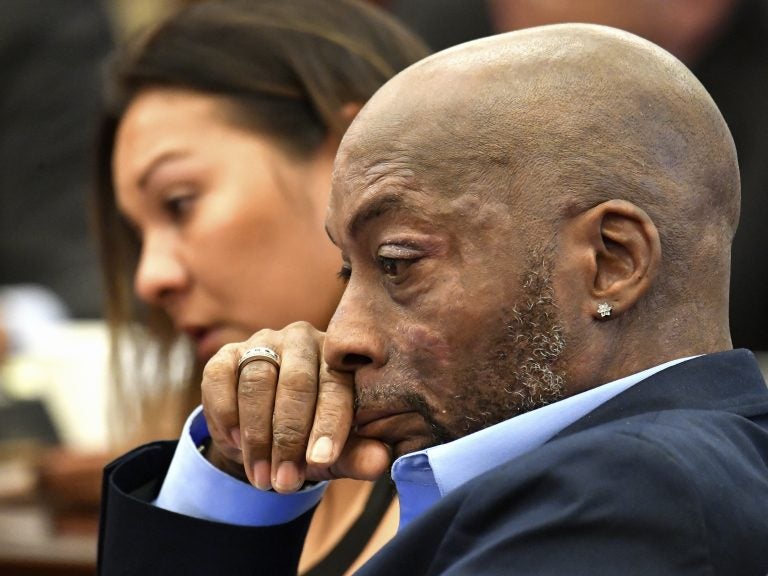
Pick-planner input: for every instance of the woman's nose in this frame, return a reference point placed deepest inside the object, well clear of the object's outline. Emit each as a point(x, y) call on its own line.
point(160, 273)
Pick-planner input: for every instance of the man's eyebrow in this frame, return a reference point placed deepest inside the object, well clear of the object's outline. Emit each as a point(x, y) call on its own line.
point(373, 209)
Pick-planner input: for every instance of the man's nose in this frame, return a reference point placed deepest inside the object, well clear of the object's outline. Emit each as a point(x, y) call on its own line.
point(353, 337)
point(160, 272)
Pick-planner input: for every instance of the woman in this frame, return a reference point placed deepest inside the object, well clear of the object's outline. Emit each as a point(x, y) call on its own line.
point(215, 167)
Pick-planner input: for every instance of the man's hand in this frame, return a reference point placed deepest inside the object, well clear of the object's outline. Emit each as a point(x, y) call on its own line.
point(281, 427)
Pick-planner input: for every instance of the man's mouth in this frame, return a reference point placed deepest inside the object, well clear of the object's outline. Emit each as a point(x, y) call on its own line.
point(388, 426)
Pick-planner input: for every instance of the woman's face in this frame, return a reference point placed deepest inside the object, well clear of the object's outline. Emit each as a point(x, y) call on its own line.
point(231, 228)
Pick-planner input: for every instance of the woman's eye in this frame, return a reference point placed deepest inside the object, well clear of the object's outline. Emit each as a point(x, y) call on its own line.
point(178, 206)
point(345, 273)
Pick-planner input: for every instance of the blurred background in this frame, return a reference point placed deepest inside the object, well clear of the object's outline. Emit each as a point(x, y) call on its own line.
point(54, 350)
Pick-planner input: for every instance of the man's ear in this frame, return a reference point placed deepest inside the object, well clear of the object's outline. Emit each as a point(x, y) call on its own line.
point(617, 254)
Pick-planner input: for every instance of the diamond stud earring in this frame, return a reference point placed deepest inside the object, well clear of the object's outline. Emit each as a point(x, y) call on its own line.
point(604, 309)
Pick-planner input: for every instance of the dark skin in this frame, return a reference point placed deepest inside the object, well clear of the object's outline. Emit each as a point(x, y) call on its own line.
point(579, 166)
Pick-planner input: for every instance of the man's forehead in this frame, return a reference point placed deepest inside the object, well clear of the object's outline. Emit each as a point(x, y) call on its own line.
point(366, 164)
point(366, 190)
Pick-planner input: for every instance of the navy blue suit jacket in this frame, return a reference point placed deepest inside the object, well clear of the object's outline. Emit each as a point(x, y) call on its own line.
point(669, 477)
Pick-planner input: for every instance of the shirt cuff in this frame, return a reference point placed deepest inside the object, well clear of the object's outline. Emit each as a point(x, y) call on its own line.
point(194, 487)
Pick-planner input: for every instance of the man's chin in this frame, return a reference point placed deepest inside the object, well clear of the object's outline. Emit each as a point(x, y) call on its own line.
point(411, 445)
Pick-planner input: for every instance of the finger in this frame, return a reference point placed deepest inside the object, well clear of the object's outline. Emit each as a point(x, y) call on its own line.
point(222, 441)
point(361, 458)
point(333, 417)
point(256, 399)
point(294, 413)
point(229, 462)
point(219, 396)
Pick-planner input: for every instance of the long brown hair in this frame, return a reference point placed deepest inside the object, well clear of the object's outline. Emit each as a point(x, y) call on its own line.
point(287, 67)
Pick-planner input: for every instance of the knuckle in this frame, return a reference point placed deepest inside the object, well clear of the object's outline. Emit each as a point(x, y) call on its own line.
point(302, 332)
point(300, 326)
point(218, 372)
point(309, 355)
point(335, 392)
point(259, 338)
point(221, 410)
point(288, 443)
point(289, 435)
point(329, 421)
point(223, 357)
point(255, 436)
point(299, 379)
point(228, 350)
point(213, 375)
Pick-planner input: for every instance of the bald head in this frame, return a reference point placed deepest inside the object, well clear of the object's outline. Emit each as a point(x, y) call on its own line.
point(554, 120)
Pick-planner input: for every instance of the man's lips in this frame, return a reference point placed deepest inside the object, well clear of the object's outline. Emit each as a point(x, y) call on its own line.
point(386, 425)
point(363, 416)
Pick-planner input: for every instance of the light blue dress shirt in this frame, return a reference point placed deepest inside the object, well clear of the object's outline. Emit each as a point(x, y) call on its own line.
point(196, 488)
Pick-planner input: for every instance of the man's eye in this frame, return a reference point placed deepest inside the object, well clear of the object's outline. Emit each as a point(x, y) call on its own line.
point(394, 259)
point(392, 267)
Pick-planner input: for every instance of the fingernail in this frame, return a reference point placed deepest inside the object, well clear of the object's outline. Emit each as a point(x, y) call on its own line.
point(287, 478)
point(261, 475)
point(322, 450)
point(236, 437)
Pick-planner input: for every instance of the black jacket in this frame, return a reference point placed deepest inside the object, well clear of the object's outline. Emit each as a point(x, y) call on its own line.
point(669, 477)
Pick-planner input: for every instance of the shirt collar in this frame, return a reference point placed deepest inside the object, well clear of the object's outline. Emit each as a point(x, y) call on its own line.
point(424, 477)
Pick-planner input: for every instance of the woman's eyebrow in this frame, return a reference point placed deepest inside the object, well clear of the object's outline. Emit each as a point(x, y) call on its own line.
point(154, 165)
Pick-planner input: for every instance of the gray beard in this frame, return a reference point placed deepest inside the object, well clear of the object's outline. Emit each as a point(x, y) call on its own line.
point(521, 373)
point(540, 344)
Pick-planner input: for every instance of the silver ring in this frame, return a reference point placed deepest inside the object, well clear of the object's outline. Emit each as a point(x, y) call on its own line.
point(258, 353)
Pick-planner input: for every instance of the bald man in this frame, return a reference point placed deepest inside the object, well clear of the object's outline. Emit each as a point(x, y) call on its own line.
point(536, 231)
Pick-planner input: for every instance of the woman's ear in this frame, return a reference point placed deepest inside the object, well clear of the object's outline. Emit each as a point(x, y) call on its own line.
point(350, 110)
point(332, 140)
point(616, 253)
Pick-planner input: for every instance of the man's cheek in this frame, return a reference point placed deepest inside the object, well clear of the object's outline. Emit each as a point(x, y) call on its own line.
point(426, 350)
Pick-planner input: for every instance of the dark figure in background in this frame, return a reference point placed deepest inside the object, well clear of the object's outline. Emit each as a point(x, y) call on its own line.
point(724, 44)
point(50, 58)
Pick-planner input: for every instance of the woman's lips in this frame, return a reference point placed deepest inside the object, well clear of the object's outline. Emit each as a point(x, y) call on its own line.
point(206, 342)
